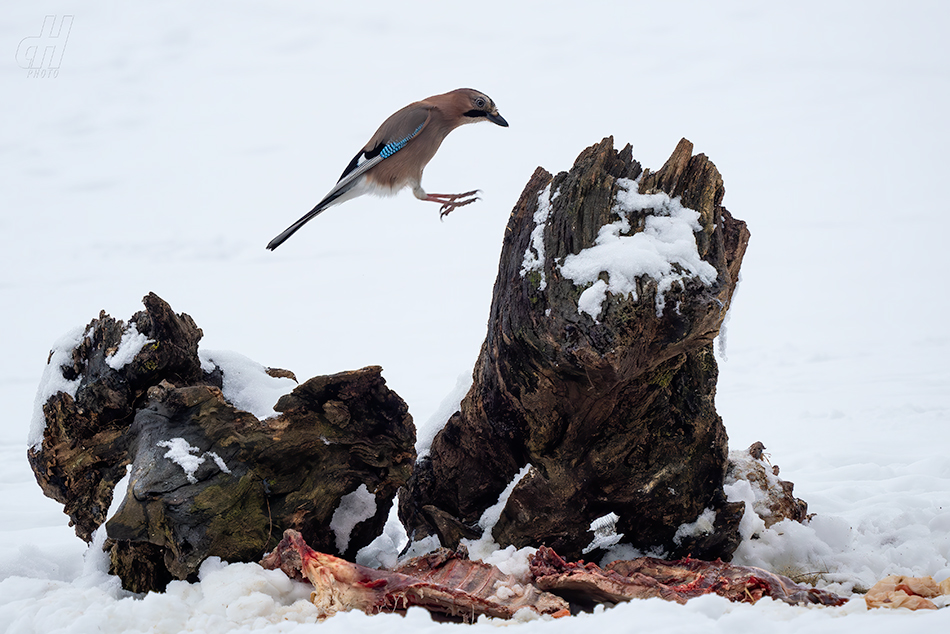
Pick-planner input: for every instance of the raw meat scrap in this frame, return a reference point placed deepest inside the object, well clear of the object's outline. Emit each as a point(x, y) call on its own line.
point(678, 581)
point(443, 582)
point(898, 591)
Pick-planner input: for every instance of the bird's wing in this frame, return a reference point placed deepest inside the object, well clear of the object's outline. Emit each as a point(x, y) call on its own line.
point(392, 136)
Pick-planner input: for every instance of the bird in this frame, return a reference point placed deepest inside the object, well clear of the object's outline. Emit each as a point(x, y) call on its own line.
point(401, 148)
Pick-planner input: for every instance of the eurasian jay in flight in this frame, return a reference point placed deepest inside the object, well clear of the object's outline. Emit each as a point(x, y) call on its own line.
point(402, 147)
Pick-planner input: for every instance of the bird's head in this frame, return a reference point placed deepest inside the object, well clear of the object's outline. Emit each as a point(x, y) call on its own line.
point(477, 106)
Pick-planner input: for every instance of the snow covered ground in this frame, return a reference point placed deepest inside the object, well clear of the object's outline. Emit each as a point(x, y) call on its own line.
point(176, 139)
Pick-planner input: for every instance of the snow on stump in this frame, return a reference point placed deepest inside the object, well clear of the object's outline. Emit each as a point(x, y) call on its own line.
point(211, 471)
point(598, 369)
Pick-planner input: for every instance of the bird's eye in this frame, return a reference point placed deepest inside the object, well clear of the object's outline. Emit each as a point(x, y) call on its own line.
point(480, 103)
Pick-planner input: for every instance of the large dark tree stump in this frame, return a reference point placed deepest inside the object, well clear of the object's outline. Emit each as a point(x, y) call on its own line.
point(615, 414)
point(208, 479)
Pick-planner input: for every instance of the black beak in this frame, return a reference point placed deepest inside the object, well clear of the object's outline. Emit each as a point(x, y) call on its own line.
point(497, 119)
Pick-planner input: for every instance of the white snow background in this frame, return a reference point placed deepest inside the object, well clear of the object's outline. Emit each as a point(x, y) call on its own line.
point(178, 138)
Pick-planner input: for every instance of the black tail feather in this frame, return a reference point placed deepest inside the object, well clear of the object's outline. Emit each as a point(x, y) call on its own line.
point(310, 215)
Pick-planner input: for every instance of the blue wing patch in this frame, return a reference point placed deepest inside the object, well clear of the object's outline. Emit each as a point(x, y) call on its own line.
point(394, 146)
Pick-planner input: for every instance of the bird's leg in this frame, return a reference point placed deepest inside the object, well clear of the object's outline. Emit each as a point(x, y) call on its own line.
point(450, 202)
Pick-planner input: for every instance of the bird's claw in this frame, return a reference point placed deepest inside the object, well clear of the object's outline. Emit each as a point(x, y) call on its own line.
point(448, 208)
point(450, 202)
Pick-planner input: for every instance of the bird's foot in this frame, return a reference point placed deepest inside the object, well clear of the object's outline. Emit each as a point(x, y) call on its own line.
point(450, 202)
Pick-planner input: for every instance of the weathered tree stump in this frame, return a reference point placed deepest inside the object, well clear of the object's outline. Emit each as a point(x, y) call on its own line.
point(610, 402)
point(85, 441)
point(208, 479)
